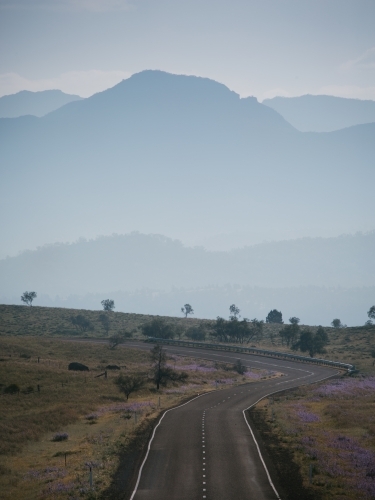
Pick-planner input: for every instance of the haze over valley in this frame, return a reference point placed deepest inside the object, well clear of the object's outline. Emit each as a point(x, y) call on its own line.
point(188, 159)
point(187, 247)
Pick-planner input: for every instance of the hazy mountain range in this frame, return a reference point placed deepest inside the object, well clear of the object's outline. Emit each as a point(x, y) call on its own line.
point(34, 103)
point(181, 156)
point(322, 113)
point(314, 278)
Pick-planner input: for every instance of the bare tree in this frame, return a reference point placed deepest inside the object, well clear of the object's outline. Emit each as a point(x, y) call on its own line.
point(129, 383)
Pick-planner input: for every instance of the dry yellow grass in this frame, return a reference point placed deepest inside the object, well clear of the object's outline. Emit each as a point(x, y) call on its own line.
point(91, 410)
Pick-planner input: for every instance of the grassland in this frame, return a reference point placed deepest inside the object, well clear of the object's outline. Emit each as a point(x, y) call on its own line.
point(100, 423)
point(103, 427)
point(352, 345)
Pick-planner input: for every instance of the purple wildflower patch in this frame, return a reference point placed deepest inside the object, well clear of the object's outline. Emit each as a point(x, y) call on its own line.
point(49, 473)
point(343, 457)
point(347, 387)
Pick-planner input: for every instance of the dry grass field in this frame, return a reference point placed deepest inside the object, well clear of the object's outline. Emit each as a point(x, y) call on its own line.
point(98, 421)
point(330, 426)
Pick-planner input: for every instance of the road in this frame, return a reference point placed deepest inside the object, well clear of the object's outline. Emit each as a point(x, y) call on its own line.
point(205, 448)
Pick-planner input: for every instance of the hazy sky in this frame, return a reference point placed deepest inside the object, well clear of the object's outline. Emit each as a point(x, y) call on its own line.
point(262, 48)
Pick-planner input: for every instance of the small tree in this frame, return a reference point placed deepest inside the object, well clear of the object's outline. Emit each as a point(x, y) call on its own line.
point(336, 323)
point(81, 323)
point(106, 322)
point(108, 304)
point(239, 367)
point(294, 321)
point(274, 316)
point(28, 297)
point(158, 328)
point(187, 309)
point(161, 372)
point(196, 333)
point(371, 313)
point(129, 383)
point(313, 343)
point(289, 333)
point(118, 338)
point(234, 312)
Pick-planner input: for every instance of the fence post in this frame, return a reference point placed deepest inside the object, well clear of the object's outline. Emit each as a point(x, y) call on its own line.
point(310, 473)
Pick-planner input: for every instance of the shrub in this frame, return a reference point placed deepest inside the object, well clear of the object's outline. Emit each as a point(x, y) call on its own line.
point(12, 389)
point(78, 367)
point(274, 316)
point(239, 367)
point(60, 436)
point(92, 416)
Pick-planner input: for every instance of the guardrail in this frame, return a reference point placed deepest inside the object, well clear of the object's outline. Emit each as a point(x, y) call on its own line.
point(253, 350)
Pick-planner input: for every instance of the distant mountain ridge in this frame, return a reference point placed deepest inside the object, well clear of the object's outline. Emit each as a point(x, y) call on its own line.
point(136, 261)
point(182, 156)
point(316, 279)
point(323, 113)
point(34, 103)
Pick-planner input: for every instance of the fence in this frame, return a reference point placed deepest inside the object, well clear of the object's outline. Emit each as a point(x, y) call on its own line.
point(253, 350)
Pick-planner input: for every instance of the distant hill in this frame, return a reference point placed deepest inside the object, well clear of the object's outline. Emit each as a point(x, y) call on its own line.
point(152, 274)
point(322, 113)
point(34, 103)
point(181, 156)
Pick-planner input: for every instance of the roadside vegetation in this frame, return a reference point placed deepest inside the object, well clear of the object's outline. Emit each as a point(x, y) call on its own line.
point(56, 423)
point(330, 429)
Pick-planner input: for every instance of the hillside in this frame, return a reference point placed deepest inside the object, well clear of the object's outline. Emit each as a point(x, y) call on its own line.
point(34, 103)
point(135, 261)
point(323, 113)
point(181, 156)
point(351, 345)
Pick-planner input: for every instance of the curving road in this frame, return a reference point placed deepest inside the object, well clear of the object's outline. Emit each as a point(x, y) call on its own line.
point(205, 448)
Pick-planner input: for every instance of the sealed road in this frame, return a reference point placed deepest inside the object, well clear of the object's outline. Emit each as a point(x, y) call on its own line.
point(205, 449)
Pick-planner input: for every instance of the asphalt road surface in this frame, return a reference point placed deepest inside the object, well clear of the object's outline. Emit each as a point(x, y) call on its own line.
point(205, 448)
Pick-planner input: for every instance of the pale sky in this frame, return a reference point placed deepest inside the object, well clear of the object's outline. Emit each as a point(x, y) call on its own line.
point(262, 48)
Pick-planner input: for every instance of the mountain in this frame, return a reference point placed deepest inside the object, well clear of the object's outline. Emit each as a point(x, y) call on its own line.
point(34, 103)
point(146, 272)
point(322, 113)
point(181, 156)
